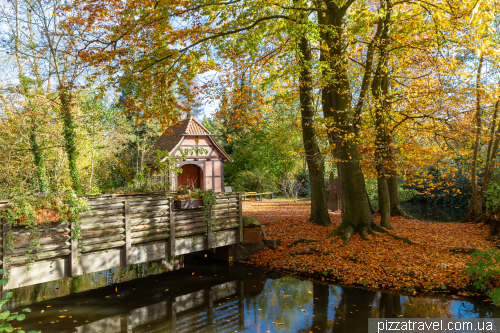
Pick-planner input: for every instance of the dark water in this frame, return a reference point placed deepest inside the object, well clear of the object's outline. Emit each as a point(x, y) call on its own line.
point(434, 213)
point(217, 297)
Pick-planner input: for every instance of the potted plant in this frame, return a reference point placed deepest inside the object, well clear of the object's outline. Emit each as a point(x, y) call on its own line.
point(36, 211)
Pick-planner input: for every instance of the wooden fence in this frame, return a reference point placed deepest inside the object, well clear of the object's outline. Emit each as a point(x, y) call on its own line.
point(121, 230)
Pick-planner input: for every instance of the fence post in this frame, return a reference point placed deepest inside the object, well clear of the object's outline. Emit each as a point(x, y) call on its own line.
point(209, 229)
point(5, 256)
point(128, 234)
point(73, 256)
point(171, 239)
point(240, 214)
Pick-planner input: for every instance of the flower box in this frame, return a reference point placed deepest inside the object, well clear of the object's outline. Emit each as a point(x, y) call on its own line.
point(186, 204)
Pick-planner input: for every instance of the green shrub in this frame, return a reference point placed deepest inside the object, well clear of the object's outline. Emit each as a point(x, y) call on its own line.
point(254, 181)
point(492, 198)
point(485, 270)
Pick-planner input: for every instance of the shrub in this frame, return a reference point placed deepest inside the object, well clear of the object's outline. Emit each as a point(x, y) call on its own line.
point(493, 198)
point(486, 272)
point(254, 181)
point(290, 187)
point(305, 184)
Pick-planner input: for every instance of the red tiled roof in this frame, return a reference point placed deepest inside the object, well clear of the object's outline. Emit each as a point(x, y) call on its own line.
point(173, 135)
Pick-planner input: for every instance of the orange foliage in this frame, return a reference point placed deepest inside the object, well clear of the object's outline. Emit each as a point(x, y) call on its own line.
point(380, 262)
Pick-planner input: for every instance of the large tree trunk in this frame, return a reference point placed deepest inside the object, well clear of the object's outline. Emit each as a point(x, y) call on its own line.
point(357, 216)
point(476, 204)
point(392, 183)
point(36, 150)
point(69, 139)
point(315, 161)
point(379, 89)
point(39, 158)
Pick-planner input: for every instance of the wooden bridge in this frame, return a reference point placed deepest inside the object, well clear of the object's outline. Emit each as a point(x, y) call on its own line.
point(121, 230)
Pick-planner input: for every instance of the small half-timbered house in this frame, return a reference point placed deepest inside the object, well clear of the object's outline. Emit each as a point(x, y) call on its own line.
point(206, 169)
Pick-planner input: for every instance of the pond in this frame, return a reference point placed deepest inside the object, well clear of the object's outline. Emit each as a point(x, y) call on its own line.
point(434, 213)
point(209, 297)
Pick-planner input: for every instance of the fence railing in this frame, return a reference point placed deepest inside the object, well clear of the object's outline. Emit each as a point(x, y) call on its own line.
point(121, 230)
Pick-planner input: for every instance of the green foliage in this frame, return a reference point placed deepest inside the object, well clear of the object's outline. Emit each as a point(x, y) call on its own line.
point(486, 272)
point(492, 195)
point(6, 317)
point(69, 129)
point(255, 181)
point(32, 209)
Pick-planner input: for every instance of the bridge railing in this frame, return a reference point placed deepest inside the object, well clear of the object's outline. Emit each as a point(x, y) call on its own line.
point(120, 230)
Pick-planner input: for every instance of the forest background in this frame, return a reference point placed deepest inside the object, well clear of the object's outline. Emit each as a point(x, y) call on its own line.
point(89, 86)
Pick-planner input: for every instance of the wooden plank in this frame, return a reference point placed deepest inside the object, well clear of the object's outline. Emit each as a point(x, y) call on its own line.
point(149, 220)
point(225, 221)
point(141, 227)
point(45, 255)
point(226, 226)
point(149, 232)
point(44, 240)
point(94, 240)
point(149, 202)
point(190, 226)
point(106, 206)
point(95, 213)
point(150, 214)
point(43, 248)
point(231, 205)
point(144, 239)
point(226, 202)
point(200, 219)
point(43, 233)
point(240, 208)
point(148, 208)
point(128, 233)
point(106, 225)
point(103, 246)
point(102, 232)
point(209, 229)
point(91, 220)
point(228, 214)
point(226, 196)
point(180, 217)
point(171, 239)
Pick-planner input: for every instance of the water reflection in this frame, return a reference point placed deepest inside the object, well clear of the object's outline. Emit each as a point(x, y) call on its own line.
point(208, 297)
point(434, 213)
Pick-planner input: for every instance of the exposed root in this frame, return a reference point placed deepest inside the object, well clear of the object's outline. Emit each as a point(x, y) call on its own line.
point(467, 250)
point(302, 240)
point(346, 230)
point(405, 240)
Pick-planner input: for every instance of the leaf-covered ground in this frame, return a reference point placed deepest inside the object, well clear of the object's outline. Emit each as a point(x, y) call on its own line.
point(380, 262)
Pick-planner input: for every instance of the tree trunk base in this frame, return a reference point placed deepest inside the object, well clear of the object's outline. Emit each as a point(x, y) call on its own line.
point(397, 210)
point(347, 229)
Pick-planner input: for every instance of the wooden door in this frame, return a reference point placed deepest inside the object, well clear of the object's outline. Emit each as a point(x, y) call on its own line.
point(190, 175)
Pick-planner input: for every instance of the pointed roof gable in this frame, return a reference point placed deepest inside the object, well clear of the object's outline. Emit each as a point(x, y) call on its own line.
point(173, 135)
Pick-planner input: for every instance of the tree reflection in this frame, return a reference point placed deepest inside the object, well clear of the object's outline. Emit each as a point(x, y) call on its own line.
point(354, 310)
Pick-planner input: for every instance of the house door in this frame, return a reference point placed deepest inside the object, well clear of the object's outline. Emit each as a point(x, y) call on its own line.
point(191, 176)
